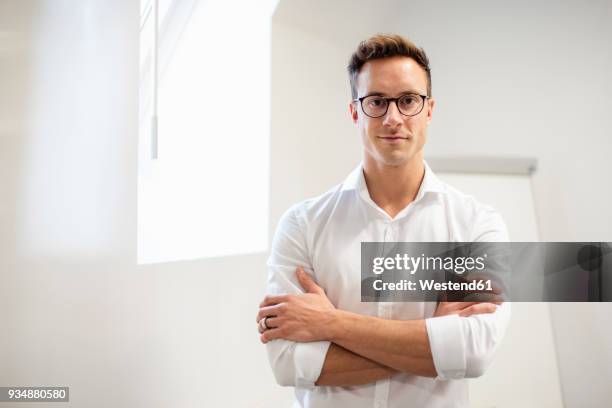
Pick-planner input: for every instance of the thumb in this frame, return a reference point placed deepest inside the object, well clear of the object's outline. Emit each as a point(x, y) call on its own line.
point(307, 282)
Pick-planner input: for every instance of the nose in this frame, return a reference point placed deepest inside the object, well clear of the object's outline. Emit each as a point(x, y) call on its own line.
point(393, 117)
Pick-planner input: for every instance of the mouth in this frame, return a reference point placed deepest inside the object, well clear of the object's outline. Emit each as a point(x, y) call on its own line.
point(393, 138)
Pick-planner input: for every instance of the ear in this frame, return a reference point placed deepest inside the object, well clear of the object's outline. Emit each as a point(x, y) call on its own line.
point(353, 111)
point(430, 103)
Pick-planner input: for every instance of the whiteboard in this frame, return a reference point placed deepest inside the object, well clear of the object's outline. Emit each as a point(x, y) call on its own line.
point(524, 372)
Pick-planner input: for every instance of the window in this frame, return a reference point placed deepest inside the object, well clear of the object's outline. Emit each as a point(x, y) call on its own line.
point(205, 192)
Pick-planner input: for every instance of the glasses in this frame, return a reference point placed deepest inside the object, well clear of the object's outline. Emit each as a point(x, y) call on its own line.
point(376, 106)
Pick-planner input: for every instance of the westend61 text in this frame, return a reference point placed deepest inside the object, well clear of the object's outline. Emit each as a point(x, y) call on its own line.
point(430, 284)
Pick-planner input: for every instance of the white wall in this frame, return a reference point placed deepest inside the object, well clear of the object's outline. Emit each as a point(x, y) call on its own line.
point(75, 309)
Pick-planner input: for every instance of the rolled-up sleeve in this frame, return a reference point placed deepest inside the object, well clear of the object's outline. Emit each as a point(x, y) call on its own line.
point(293, 363)
point(463, 347)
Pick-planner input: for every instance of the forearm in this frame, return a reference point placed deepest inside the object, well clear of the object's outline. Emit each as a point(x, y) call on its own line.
point(344, 368)
point(402, 345)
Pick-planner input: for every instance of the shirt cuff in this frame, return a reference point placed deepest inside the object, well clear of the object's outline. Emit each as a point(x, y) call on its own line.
point(308, 361)
point(447, 349)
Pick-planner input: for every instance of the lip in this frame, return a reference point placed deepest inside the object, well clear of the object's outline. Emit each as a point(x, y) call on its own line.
point(392, 138)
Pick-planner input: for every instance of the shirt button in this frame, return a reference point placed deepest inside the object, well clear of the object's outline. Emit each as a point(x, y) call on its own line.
point(379, 404)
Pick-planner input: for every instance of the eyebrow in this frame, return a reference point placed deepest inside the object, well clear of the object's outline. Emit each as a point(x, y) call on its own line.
point(376, 93)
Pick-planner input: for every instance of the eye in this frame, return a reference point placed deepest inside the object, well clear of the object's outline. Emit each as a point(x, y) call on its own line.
point(409, 100)
point(376, 101)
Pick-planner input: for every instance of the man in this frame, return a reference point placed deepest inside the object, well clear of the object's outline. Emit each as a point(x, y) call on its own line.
point(334, 349)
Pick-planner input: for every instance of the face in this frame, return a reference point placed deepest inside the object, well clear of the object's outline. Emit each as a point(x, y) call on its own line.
point(393, 139)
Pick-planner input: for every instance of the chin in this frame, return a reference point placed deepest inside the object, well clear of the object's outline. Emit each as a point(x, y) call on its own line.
point(395, 160)
point(392, 157)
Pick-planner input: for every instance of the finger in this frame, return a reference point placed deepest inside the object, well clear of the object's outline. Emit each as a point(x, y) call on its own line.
point(271, 334)
point(480, 308)
point(455, 306)
point(307, 282)
point(260, 326)
point(486, 298)
point(273, 322)
point(273, 310)
point(269, 323)
point(272, 300)
point(482, 297)
point(448, 308)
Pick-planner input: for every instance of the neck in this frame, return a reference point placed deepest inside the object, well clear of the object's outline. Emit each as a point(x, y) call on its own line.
point(392, 188)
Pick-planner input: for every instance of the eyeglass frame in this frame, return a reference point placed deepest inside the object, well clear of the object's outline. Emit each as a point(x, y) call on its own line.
point(389, 100)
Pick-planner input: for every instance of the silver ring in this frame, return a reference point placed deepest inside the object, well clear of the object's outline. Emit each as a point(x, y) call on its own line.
point(265, 323)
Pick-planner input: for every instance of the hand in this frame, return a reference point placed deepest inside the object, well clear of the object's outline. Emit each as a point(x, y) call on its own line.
point(482, 294)
point(465, 309)
point(479, 301)
point(305, 317)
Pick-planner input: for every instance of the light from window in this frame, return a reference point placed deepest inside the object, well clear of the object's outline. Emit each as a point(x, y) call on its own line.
point(206, 194)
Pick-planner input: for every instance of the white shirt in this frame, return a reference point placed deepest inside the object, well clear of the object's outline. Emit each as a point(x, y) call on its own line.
point(324, 236)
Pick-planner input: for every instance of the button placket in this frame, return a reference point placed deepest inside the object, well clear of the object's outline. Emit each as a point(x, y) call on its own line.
point(385, 309)
point(381, 390)
point(381, 394)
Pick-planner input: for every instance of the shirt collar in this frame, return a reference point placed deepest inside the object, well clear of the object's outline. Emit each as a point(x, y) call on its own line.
point(430, 184)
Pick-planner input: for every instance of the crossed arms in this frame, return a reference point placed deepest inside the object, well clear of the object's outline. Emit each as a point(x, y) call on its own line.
point(363, 349)
point(310, 342)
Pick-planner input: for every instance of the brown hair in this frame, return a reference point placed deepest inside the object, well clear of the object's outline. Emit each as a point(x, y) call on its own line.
point(386, 46)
